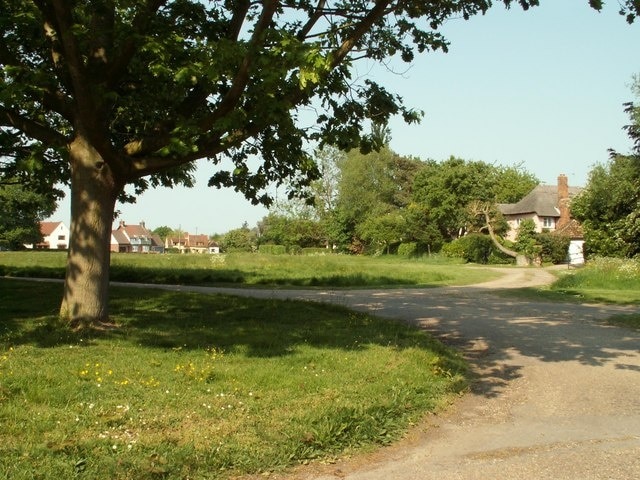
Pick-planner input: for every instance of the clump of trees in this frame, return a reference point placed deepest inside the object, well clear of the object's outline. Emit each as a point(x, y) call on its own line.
point(26, 196)
point(382, 200)
point(21, 210)
point(609, 206)
point(243, 239)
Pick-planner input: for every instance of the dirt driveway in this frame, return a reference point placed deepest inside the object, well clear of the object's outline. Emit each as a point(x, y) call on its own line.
point(557, 394)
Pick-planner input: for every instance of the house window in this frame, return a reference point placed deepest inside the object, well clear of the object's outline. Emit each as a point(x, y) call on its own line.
point(547, 222)
point(61, 237)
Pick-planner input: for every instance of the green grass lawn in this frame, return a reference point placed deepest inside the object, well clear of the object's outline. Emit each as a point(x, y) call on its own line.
point(260, 269)
point(205, 386)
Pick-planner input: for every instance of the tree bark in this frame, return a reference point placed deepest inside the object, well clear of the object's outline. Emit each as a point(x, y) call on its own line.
point(93, 196)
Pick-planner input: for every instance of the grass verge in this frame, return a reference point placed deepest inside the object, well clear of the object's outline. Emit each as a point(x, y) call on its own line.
point(205, 386)
point(611, 280)
point(257, 269)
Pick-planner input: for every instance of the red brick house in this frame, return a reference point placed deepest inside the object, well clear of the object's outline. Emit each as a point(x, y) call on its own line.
point(135, 239)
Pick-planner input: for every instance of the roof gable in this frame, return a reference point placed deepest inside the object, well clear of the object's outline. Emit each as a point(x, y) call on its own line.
point(198, 240)
point(47, 228)
point(120, 237)
point(134, 231)
point(156, 241)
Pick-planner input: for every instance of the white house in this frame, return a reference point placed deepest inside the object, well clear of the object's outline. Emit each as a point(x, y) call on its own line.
point(549, 208)
point(55, 236)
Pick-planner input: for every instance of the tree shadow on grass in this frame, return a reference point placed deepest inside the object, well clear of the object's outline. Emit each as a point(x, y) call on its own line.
point(252, 327)
point(358, 280)
point(177, 276)
point(256, 327)
point(29, 309)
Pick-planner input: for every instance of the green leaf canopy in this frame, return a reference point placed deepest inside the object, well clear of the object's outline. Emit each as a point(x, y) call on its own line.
point(157, 84)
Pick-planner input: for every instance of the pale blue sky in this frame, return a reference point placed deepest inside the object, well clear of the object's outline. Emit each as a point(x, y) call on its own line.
point(543, 88)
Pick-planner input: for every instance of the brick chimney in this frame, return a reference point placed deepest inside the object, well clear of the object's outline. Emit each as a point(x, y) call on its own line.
point(563, 201)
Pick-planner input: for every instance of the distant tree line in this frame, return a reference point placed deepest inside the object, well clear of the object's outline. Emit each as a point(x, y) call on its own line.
point(373, 203)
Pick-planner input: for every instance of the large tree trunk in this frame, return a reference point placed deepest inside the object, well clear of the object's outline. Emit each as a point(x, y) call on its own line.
point(93, 196)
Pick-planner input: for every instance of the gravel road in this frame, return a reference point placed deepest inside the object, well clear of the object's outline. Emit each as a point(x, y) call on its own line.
point(557, 394)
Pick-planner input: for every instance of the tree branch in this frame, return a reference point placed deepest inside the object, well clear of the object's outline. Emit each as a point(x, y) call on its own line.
point(338, 55)
point(481, 208)
point(73, 59)
point(59, 103)
point(130, 47)
point(101, 44)
point(52, 100)
point(50, 29)
point(375, 14)
point(317, 15)
point(230, 100)
point(147, 165)
point(32, 128)
point(239, 15)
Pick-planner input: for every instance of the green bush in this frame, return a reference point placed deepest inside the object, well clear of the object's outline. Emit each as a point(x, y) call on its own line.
point(273, 249)
point(554, 247)
point(475, 248)
point(453, 249)
point(526, 239)
point(295, 250)
point(409, 249)
point(478, 248)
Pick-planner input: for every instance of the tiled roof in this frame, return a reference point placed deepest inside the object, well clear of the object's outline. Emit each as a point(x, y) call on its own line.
point(136, 231)
point(573, 229)
point(178, 240)
point(120, 237)
point(198, 240)
point(156, 240)
point(47, 228)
